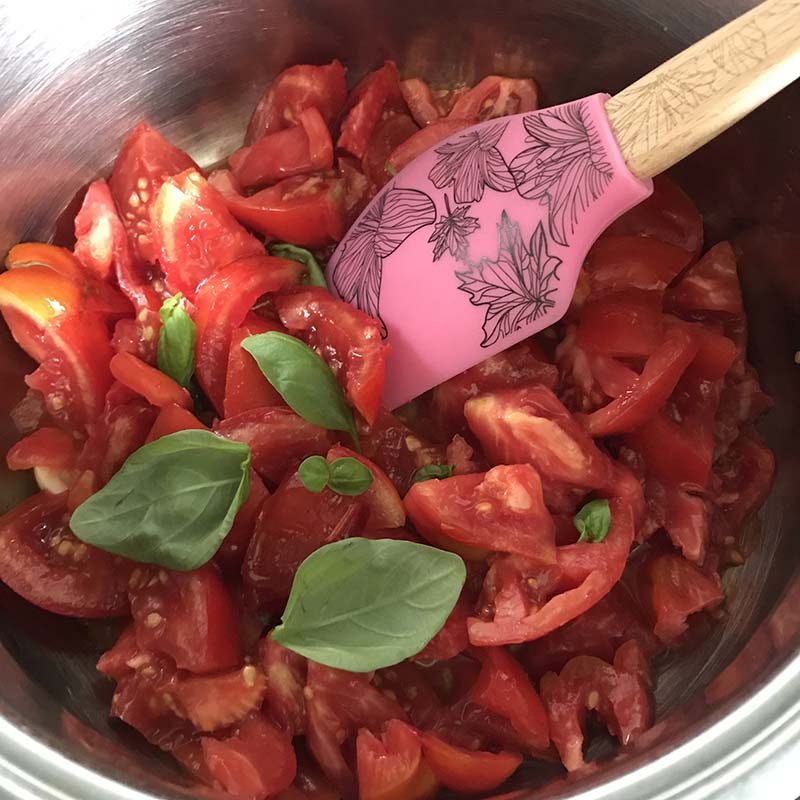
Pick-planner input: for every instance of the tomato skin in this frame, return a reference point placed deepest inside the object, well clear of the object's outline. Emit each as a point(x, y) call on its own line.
point(496, 96)
point(173, 418)
point(420, 101)
point(145, 161)
point(295, 89)
point(152, 384)
point(503, 687)
point(467, 770)
point(502, 509)
point(194, 234)
point(222, 305)
point(277, 438)
point(256, 761)
point(188, 616)
point(46, 564)
point(389, 134)
point(348, 339)
point(286, 677)
point(421, 141)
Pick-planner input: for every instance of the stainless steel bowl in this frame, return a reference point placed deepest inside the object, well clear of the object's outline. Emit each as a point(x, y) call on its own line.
point(74, 77)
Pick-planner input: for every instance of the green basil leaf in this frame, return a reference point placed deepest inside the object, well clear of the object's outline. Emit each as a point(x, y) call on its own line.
point(303, 380)
point(432, 471)
point(363, 604)
point(314, 473)
point(176, 341)
point(593, 521)
point(315, 276)
point(349, 476)
point(172, 502)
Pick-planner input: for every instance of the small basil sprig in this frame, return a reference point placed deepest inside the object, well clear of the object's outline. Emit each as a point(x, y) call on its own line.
point(345, 475)
point(314, 274)
point(176, 341)
point(363, 604)
point(172, 502)
point(429, 471)
point(303, 380)
point(593, 521)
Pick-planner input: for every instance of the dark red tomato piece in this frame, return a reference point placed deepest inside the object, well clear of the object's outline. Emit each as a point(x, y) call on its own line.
point(504, 688)
point(348, 339)
point(145, 161)
point(716, 353)
point(452, 639)
point(633, 262)
point(496, 96)
point(389, 134)
point(277, 438)
point(500, 510)
point(294, 90)
point(422, 140)
point(286, 679)
point(646, 396)
point(618, 692)
point(686, 522)
point(293, 523)
point(51, 448)
point(710, 286)
point(611, 375)
point(391, 767)
point(231, 552)
point(667, 215)
point(522, 612)
point(517, 366)
point(189, 616)
point(138, 336)
point(623, 324)
point(378, 91)
point(530, 425)
point(256, 761)
point(742, 400)
point(675, 589)
point(384, 505)
point(246, 387)
point(467, 770)
point(420, 101)
point(307, 147)
point(43, 562)
point(307, 211)
point(152, 384)
point(222, 306)
point(171, 419)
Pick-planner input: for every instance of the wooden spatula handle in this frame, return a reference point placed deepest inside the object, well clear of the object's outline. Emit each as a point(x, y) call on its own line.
point(678, 107)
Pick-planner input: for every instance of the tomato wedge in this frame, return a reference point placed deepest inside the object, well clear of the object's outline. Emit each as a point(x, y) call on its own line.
point(496, 96)
point(421, 141)
point(152, 384)
point(286, 677)
point(452, 639)
point(171, 419)
point(45, 447)
point(420, 101)
point(389, 134)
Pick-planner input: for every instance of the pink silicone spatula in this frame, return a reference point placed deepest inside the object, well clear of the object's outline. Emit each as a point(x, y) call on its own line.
point(477, 244)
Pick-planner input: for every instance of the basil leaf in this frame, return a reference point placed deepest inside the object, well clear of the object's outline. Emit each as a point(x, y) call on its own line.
point(315, 276)
point(349, 476)
point(593, 521)
point(363, 604)
point(314, 473)
point(432, 471)
point(176, 341)
point(172, 502)
point(303, 380)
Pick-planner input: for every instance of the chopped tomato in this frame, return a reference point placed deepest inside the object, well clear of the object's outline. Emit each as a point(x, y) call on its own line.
point(377, 91)
point(145, 161)
point(286, 679)
point(194, 234)
point(152, 384)
point(384, 506)
point(467, 770)
point(307, 211)
point(452, 639)
point(711, 285)
point(348, 339)
point(189, 616)
point(612, 375)
point(222, 306)
point(619, 693)
point(502, 509)
point(667, 215)
point(277, 438)
point(420, 101)
point(49, 448)
point(422, 140)
point(391, 767)
point(294, 90)
point(503, 687)
point(716, 353)
point(496, 96)
point(171, 419)
point(246, 387)
point(389, 134)
point(232, 551)
point(307, 147)
point(256, 761)
point(293, 524)
point(686, 522)
point(44, 562)
point(138, 336)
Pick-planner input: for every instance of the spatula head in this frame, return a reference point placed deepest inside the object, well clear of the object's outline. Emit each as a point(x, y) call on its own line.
point(477, 244)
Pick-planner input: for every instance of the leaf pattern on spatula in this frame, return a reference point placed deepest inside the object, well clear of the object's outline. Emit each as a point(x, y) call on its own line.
point(471, 163)
point(358, 272)
point(452, 231)
point(516, 287)
point(565, 168)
